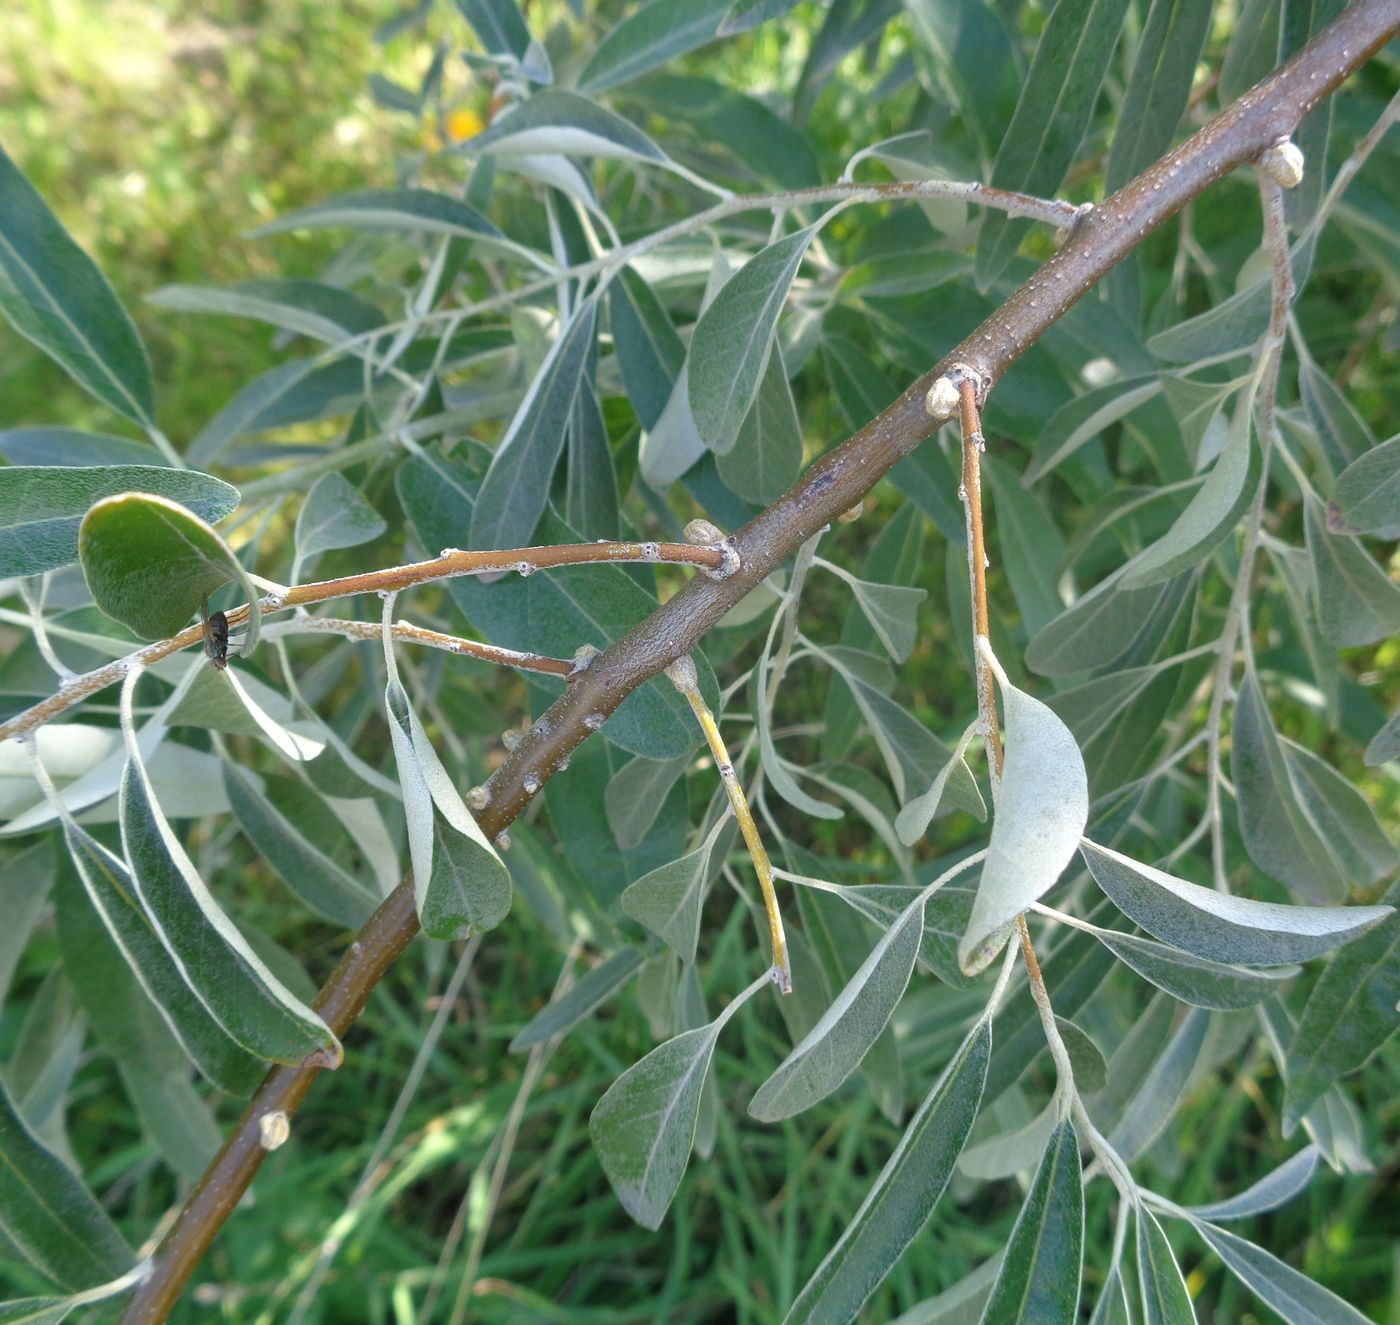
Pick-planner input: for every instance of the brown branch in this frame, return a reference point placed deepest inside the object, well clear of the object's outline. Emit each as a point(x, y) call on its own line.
point(714, 559)
point(1102, 239)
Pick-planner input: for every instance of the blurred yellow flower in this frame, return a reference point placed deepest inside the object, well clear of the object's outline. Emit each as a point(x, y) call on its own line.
point(461, 124)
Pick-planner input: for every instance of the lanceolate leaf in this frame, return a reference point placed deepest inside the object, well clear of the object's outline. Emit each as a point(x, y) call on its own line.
point(1223, 927)
point(1212, 513)
point(834, 1047)
point(113, 896)
point(499, 24)
point(408, 210)
point(516, 488)
point(306, 308)
point(54, 295)
point(589, 993)
point(668, 900)
point(1366, 499)
point(643, 1128)
point(1039, 818)
point(1193, 979)
point(569, 124)
point(1271, 1191)
point(251, 1004)
point(1040, 1271)
point(902, 1198)
point(47, 1213)
point(649, 352)
point(1297, 1299)
point(654, 33)
point(334, 515)
point(1056, 102)
point(1165, 1299)
point(42, 507)
point(767, 454)
point(1356, 601)
point(734, 337)
point(1349, 1015)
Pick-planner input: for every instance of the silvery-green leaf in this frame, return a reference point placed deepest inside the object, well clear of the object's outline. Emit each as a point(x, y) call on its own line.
point(917, 814)
point(1040, 1271)
point(1385, 744)
point(904, 1194)
point(1341, 431)
point(1356, 601)
point(1009, 1153)
point(767, 454)
point(945, 919)
point(55, 296)
point(515, 491)
point(644, 1126)
point(410, 210)
point(565, 123)
point(1297, 1299)
point(1349, 1015)
point(834, 1047)
point(24, 892)
point(334, 515)
point(1366, 498)
point(668, 900)
point(774, 769)
point(579, 1000)
point(732, 342)
point(1191, 979)
point(47, 1213)
point(458, 878)
point(224, 973)
point(1271, 1191)
point(1165, 1298)
point(305, 308)
point(653, 34)
point(499, 24)
point(1222, 927)
point(72, 446)
point(42, 507)
point(292, 745)
point(958, 1304)
point(1112, 1306)
point(1083, 418)
point(1151, 1107)
point(1085, 1056)
point(1031, 546)
point(1102, 626)
point(1039, 819)
point(1278, 833)
point(635, 794)
point(1211, 514)
point(112, 895)
point(310, 874)
point(891, 610)
point(649, 352)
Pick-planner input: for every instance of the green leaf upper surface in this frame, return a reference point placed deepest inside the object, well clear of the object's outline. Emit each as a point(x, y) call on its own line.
point(565, 123)
point(1366, 498)
point(587, 994)
point(668, 900)
point(41, 508)
point(1040, 1272)
point(903, 1196)
point(149, 562)
point(734, 338)
point(47, 1213)
point(654, 33)
point(1195, 980)
point(1165, 1298)
point(54, 295)
point(334, 515)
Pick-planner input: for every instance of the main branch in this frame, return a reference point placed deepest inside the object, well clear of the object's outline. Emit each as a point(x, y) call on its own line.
point(1101, 240)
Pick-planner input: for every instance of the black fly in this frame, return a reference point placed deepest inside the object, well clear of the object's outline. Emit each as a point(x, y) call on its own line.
point(215, 635)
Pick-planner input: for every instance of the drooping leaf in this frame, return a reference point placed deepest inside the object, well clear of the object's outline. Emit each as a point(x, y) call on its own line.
point(1366, 498)
point(1057, 100)
point(72, 446)
point(1297, 1299)
point(224, 973)
point(1165, 1298)
point(1341, 432)
point(890, 608)
point(668, 900)
point(1155, 1100)
point(42, 507)
point(1356, 601)
point(904, 1194)
point(410, 210)
point(649, 352)
point(334, 515)
point(309, 873)
point(1040, 1271)
point(54, 295)
point(564, 122)
point(305, 308)
point(1084, 418)
point(644, 1126)
point(917, 814)
point(635, 794)
point(149, 563)
point(834, 1047)
point(730, 349)
point(47, 1213)
point(1223, 927)
point(767, 454)
point(515, 490)
point(1279, 836)
point(1195, 980)
point(1349, 1015)
point(1385, 744)
point(459, 880)
point(581, 999)
point(1212, 513)
point(1271, 1191)
point(499, 24)
point(1039, 819)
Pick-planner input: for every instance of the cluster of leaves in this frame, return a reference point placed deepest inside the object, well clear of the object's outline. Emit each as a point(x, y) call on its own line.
point(578, 285)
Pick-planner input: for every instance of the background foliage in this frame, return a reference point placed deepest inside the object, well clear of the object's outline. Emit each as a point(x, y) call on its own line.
point(161, 134)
